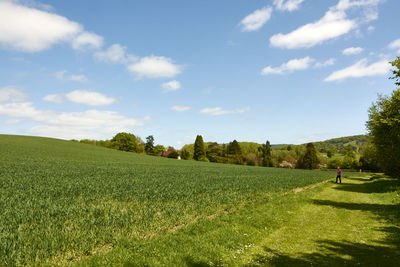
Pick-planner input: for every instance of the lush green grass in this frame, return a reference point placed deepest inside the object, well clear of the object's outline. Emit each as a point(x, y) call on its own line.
point(66, 202)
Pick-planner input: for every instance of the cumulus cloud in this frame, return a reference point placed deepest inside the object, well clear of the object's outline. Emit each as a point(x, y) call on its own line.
point(54, 98)
point(180, 108)
point(61, 75)
point(155, 67)
point(171, 86)
point(90, 98)
point(31, 30)
point(352, 51)
point(395, 45)
point(12, 94)
point(256, 20)
point(333, 24)
point(220, 111)
point(288, 5)
point(360, 69)
point(116, 53)
point(93, 124)
point(289, 67)
point(87, 40)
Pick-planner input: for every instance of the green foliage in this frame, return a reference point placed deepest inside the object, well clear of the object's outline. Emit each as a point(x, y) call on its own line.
point(125, 142)
point(384, 127)
point(396, 71)
point(158, 149)
point(310, 159)
point(149, 146)
point(369, 159)
point(266, 155)
point(336, 145)
point(63, 201)
point(199, 150)
point(334, 163)
point(234, 148)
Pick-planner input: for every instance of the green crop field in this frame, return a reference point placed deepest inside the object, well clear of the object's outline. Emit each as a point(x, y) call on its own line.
point(63, 201)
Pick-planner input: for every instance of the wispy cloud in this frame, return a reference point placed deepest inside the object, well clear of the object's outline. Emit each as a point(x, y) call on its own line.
point(217, 111)
point(54, 98)
point(116, 53)
point(326, 63)
point(333, 24)
point(61, 75)
point(256, 20)
point(171, 86)
point(87, 40)
point(395, 45)
point(90, 98)
point(12, 94)
point(287, 5)
point(180, 108)
point(360, 69)
point(289, 67)
point(352, 51)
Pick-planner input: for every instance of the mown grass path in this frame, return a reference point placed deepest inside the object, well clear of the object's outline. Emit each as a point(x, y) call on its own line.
point(356, 223)
point(350, 224)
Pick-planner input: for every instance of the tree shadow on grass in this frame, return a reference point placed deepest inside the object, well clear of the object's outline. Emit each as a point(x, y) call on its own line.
point(376, 186)
point(334, 254)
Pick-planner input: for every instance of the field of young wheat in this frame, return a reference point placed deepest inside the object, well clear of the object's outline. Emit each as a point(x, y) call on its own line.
point(62, 200)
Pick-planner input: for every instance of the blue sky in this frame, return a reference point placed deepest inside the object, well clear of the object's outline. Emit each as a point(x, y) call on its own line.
point(290, 71)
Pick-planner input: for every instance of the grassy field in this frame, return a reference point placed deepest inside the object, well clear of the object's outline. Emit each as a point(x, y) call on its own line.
point(69, 203)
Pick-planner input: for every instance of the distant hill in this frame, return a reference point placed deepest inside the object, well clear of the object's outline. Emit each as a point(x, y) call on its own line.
point(338, 144)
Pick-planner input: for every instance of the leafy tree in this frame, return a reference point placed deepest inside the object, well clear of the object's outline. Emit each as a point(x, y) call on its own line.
point(158, 149)
point(384, 127)
point(310, 159)
point(173, 153)
point(396, 71)
point(234, 148)
point(185, 154)
point(289, 148)
point(149, 146)
point(214, 152)
point(199, 151)
point(330, 153)
point(125, 142)
point(369, 158)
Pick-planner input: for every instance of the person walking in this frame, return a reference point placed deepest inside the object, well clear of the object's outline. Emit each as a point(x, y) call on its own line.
point(339, 175)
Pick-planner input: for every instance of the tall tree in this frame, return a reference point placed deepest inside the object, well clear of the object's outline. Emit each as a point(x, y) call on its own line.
point(234, 148)
point(149, 146)
point(199, 151)
point(266, 154)
point(310, 159)
point(384, 127)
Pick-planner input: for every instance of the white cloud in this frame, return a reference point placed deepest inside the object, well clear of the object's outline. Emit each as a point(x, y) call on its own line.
point(371, 28)
point(89, 98)
point(395, 45)
point(87, 40)
point(31, 30)
point(289, 67)
point(288, 5)
point(155, 67)
point(256, 20)
point(171, 86)
point(360, 69)
point(116, 53)
point(180, 108)
point(333, 24)
point(73, 77)
point(326, 63)
point(352, 51)
point(12, 94)
point(55, 98)
point(219, 111)
point(11, 122)
point(93, 124)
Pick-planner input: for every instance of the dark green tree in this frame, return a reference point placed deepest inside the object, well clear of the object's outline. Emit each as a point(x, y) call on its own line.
point(125, 142)
point(149, 146)
point(310, 159)
point(158, 149)
point(234, 148)
point(396, 71)
point(266, 154)
point(199, 151)
point(185, 154)
point(214, 152)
